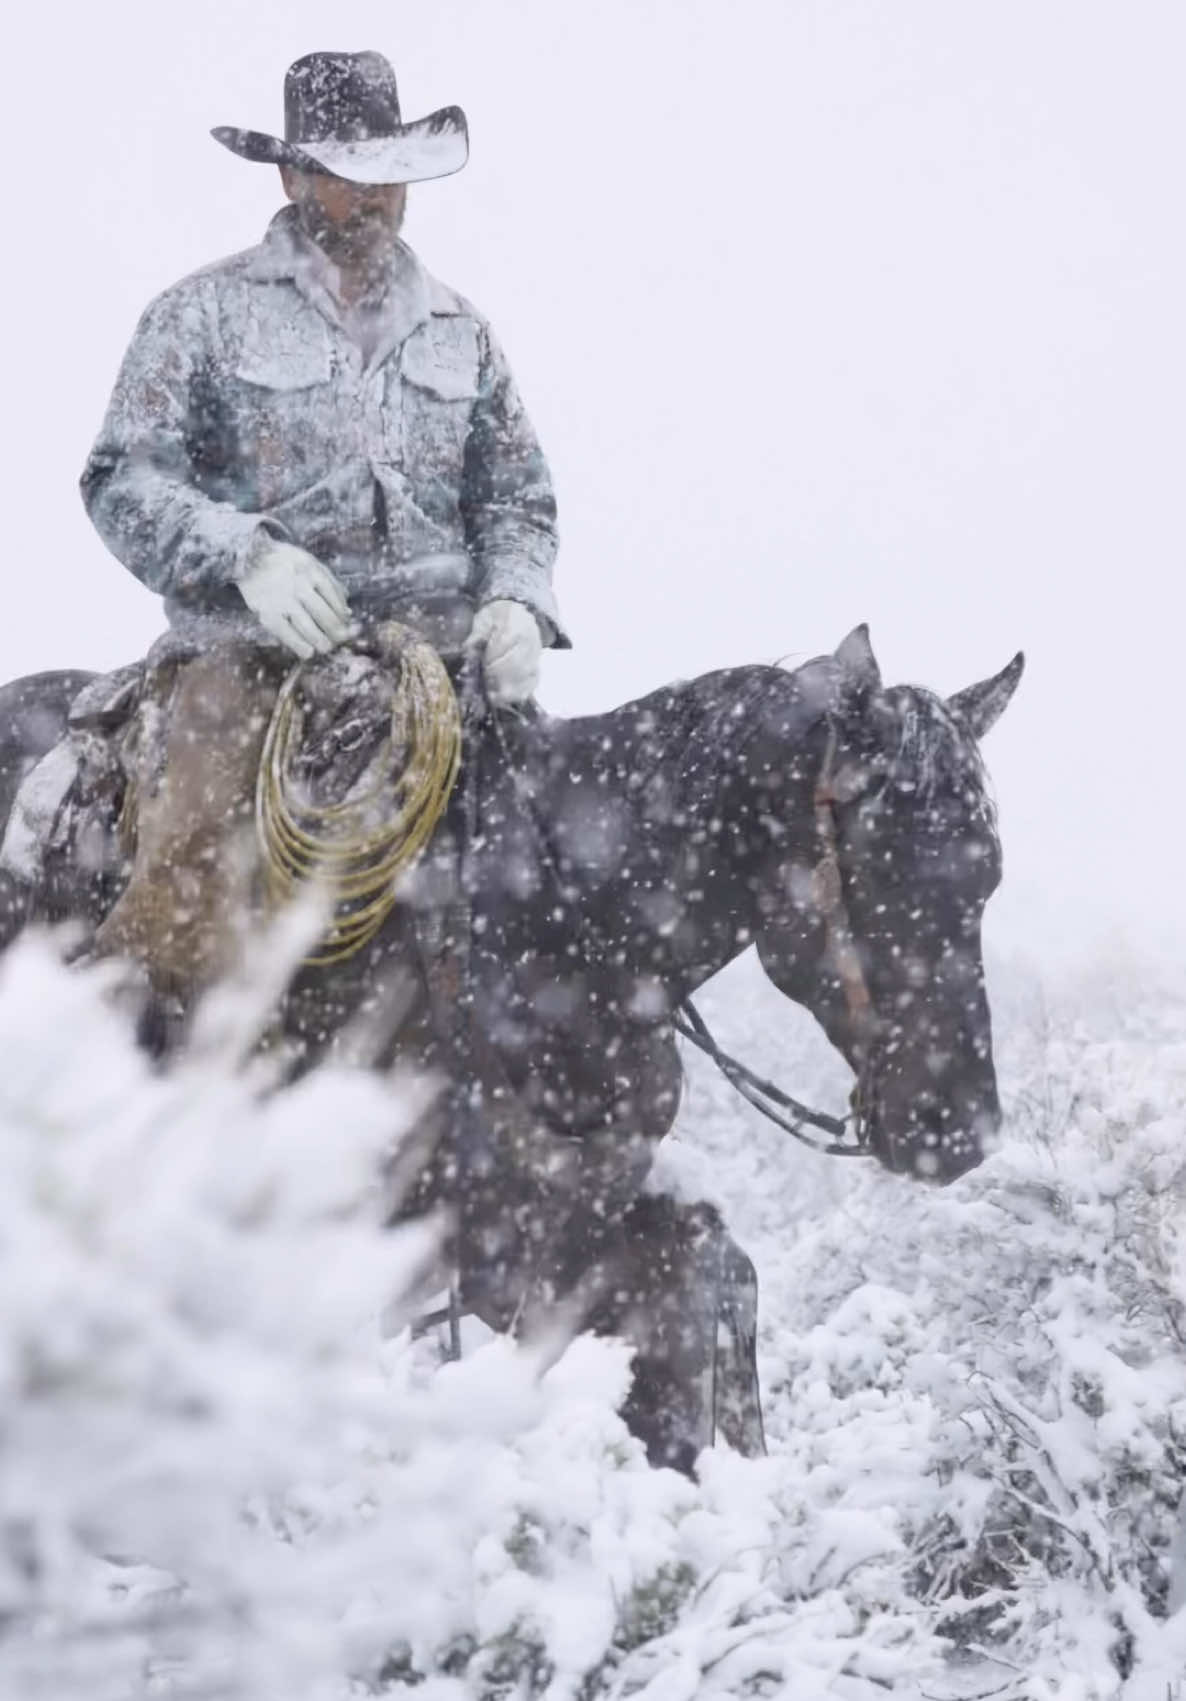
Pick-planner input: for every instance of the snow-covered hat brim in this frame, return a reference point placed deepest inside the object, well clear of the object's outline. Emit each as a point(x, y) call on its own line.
point(435, 146)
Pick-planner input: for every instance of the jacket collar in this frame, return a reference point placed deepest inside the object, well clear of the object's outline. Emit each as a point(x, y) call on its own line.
point(412, 296)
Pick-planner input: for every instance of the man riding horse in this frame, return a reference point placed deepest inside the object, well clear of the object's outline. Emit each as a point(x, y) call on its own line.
point(313, 449)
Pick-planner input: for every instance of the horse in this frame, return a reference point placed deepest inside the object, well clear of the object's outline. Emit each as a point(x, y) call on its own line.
point(844, 829)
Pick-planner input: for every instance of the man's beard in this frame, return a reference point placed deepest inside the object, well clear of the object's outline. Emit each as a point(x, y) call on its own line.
point(363, 242)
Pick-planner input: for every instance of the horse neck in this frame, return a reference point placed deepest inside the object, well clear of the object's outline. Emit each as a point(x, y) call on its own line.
point(723, 772)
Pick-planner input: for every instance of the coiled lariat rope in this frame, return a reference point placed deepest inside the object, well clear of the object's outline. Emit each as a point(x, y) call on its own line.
point(338, 847)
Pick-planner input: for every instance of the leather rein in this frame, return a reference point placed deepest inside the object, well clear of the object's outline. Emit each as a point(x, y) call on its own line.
point(840, 946)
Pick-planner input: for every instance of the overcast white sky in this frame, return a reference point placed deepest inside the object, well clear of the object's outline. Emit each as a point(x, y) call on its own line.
point(825, 312)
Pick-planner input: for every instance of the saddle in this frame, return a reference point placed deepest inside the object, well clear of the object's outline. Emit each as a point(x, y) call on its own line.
point(248, 781)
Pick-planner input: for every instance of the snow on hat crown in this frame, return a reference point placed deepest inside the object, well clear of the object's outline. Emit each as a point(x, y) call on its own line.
point(341, 97)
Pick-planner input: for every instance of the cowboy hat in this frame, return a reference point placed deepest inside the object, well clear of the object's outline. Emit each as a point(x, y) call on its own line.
point(341, 116)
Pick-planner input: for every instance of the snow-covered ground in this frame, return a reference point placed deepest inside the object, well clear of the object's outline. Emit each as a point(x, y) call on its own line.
point(219, 1477)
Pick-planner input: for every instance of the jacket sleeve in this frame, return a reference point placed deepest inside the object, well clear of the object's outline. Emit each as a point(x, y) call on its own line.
point(140, 484)
point(507, 499)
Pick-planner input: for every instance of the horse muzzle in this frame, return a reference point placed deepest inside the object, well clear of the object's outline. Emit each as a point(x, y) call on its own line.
point(929, 1134)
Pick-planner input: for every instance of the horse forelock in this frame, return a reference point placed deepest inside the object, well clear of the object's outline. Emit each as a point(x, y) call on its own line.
point(933, 754)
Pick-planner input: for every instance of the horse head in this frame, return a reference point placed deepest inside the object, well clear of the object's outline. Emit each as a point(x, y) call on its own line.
point(877, 928)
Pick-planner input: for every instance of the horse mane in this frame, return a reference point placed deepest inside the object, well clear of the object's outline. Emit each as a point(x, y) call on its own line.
point(698, 731)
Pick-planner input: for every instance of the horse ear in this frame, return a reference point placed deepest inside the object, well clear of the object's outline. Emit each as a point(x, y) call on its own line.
point(981, 706)
point(856, 657)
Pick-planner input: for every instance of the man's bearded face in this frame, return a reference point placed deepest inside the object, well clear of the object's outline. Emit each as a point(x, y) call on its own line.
point(349, 222)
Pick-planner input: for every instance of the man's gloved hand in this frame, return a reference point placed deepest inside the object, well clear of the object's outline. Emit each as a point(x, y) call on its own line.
point(508, 634)
point(295, 598)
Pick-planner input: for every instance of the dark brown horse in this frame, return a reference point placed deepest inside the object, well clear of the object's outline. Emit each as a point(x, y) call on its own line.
point(619, 861)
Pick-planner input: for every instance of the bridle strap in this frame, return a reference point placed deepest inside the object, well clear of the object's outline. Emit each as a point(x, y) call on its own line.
point(776, 1105)
point(841, 950)
point(829, 901)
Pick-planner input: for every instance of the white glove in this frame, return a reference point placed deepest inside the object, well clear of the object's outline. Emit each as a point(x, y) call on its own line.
point(508, 633)
point(295, 598)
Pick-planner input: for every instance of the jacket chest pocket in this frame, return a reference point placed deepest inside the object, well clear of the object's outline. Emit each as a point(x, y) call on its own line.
point(285, 408)
point(439, 373)
point(284, 350)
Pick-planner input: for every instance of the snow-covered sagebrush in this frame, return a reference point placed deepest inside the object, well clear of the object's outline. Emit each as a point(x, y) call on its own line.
point(224, 1473)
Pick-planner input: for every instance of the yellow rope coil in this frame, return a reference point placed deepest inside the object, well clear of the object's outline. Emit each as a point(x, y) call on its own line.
point(337, 846)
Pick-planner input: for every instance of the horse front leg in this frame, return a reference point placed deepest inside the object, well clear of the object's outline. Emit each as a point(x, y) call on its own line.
point(685, 1295)
point(536, 1179)
point(663, 1275)
point(555, 1235)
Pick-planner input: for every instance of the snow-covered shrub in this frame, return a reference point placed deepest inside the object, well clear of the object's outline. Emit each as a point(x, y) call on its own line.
point(997, 1371)
point(191, 1279)
point(218, 1478)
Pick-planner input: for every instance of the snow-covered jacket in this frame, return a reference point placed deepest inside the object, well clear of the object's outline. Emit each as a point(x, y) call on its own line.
point(243, 402)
